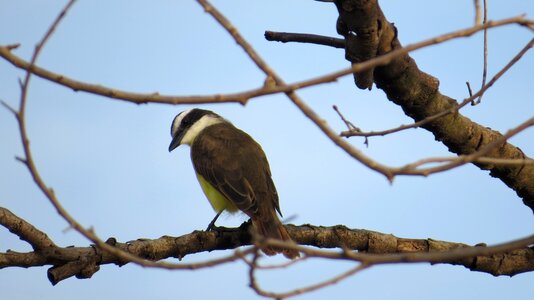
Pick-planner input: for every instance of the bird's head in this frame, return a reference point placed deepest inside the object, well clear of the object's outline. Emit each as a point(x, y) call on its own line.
point(189, 123)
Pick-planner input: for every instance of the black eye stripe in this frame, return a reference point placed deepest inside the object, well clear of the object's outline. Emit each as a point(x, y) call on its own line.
point(189, 119)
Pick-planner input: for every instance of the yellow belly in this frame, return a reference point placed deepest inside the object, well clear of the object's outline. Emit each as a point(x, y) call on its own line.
point(217, 200)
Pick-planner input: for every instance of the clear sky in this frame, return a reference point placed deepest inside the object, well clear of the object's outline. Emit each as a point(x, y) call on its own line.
point(108, 162)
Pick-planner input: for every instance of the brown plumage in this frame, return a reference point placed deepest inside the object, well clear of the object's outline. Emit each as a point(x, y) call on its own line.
point(243, 178)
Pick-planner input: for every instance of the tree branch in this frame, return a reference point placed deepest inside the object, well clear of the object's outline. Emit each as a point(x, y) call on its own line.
point(25, 231)
point(418, 95)
point(83, 262)
point(137, 98)
point(286, 37)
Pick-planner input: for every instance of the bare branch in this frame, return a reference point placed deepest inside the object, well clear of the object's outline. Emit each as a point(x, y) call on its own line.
point(477, 12)
point(469, 89)
point(75, 261)
point(286, 37)
point(387, 249)
point(463, 159)
point(253, 267)
point(471, 98)
point(348, 123)
point(485, 55)
point(25, 231)
point(137, 98)
point(419, 96)
point(84, 261)
point(8, 107)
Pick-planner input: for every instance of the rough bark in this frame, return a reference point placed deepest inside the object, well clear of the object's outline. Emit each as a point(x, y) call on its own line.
point(366, 30)
point(83, 262)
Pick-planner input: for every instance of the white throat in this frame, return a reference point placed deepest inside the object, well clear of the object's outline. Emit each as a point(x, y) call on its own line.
point(196, 128)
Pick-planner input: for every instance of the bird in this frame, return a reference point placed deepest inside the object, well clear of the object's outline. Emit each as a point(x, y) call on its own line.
point(233, 172)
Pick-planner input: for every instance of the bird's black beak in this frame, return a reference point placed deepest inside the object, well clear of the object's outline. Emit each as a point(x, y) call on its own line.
point(176, 141)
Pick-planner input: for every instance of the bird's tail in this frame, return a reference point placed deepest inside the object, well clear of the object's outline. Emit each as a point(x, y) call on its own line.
point(273, 229)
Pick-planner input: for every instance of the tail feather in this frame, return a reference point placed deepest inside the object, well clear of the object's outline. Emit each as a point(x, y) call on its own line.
point(273, 229)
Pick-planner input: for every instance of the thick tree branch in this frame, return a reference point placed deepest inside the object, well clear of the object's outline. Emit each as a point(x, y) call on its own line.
point(355, 131)
point(418, 95)
point(25, 231)
point(395, 253)
point(83, 262)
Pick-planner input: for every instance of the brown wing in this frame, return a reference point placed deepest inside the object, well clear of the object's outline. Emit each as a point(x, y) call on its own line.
point(231, 161)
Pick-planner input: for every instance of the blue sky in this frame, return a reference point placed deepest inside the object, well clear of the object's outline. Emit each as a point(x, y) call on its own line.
point(108, 162)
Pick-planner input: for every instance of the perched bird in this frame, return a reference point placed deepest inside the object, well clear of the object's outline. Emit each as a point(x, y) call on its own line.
point(233, 172)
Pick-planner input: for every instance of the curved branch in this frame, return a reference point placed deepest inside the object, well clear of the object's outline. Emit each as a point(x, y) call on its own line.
point(137, 98)
point(253, 266)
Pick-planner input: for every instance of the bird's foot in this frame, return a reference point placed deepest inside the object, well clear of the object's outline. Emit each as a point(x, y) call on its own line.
point(211, 225)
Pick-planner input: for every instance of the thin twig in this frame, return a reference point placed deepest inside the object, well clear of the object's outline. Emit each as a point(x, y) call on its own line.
point(485, 68)
point(349, 124)
point(484, 160)
point(469, 89)
point(485, 87)
point(464, 159)
point(302, 290)
point(286, 37)
point(283, 265)
point(477, 12)
point(471, 98)
point(9, 107)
